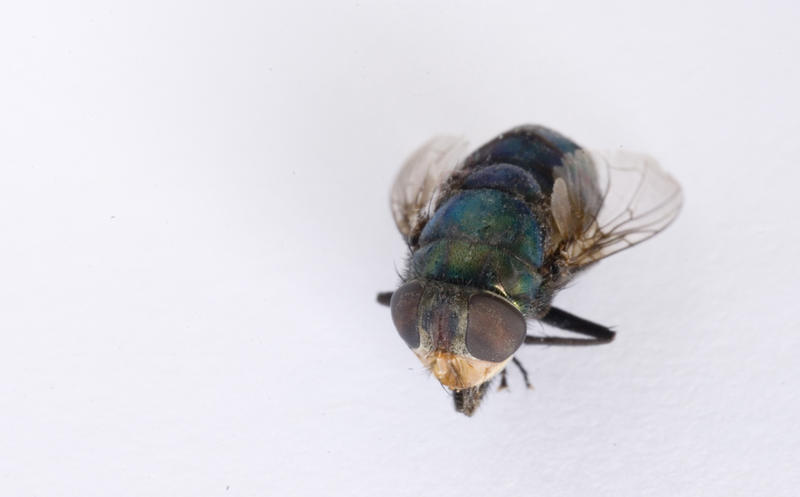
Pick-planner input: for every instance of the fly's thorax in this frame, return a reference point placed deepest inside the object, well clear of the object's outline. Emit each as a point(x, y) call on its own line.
point(492, 233)
point(463, 335)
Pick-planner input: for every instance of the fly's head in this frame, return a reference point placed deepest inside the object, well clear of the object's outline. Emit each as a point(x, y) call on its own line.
point(464, 336)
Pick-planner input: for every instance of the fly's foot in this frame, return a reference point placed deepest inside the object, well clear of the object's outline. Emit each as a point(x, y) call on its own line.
point(524, 373)
point(503, 382)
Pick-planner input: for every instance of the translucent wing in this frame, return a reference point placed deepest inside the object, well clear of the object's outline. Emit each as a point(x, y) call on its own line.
point(418, 183)
point(605, 202)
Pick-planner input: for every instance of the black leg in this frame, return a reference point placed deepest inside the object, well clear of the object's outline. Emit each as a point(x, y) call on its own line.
point(561, 319)
point(523, 371)
point(384, 297)
point(503, 382)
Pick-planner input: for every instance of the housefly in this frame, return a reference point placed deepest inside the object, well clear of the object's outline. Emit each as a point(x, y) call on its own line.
point(493, 235)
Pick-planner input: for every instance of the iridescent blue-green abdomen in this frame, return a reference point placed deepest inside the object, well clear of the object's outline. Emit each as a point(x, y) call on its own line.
point(491, 231)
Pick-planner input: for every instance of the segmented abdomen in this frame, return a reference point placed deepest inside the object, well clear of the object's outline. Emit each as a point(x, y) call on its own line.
point(491, 231)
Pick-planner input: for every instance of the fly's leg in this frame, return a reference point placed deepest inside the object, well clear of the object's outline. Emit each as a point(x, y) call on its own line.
point(384, 298)
point(524, 373)
point(562, 319)
point(503, 382)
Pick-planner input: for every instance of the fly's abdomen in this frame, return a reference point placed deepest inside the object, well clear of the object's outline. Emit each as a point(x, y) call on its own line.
point(491, 233)
point(534, 149)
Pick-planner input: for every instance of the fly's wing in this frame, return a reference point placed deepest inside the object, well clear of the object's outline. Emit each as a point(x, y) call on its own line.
point(605, 202)
point(419, 182)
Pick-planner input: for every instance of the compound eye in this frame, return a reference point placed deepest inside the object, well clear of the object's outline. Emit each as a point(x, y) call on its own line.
point(405, 310)
point(495, 328)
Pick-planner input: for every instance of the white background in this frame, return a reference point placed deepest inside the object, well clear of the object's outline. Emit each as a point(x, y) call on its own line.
point(194, 222)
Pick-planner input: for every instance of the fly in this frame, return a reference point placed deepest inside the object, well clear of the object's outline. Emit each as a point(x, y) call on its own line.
point(493, 235)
